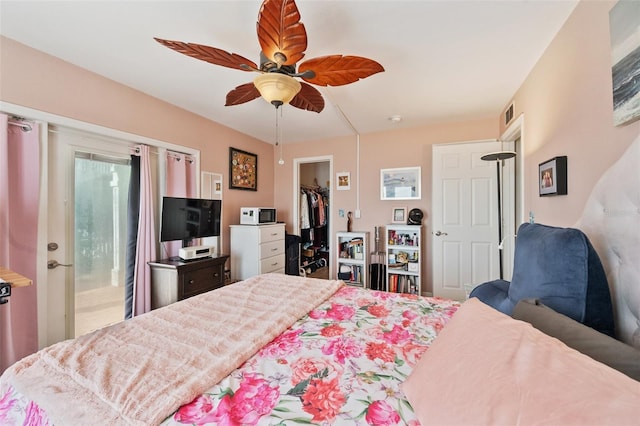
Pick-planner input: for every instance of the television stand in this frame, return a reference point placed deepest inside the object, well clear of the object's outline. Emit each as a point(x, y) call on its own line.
point(174, 279)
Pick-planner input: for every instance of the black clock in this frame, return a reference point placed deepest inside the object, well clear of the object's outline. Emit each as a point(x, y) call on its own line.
point(415, 217)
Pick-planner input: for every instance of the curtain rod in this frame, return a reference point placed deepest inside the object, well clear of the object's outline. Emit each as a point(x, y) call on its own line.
point(17, 121)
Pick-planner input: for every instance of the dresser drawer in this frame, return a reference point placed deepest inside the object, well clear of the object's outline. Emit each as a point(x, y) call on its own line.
point(272, 248)
point(272, 264)
point(271, 233)
point(201, 280)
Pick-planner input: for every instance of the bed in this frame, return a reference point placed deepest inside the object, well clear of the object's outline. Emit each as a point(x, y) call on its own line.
point(320, 352)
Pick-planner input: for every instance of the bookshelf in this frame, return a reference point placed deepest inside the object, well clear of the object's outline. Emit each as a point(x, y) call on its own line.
point(404, 258)
point(352, 264)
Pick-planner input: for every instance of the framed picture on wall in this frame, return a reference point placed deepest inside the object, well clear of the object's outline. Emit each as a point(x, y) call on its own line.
point(243, 170)
point(400, 184)
point(624, 20)
point(552, 176)
point(343, 181)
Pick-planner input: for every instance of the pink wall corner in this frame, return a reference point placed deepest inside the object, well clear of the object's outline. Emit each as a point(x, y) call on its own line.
point(391, 149)
point(568, 110)
point(42, 82)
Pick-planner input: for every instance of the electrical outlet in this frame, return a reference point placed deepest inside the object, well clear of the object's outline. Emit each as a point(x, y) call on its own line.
point(357, 213)
point(341, 213)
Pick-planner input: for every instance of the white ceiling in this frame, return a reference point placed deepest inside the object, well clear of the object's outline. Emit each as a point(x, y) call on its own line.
point(444, 60)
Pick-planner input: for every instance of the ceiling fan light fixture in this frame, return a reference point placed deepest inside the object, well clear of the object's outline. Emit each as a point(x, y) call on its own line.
point(277, 88)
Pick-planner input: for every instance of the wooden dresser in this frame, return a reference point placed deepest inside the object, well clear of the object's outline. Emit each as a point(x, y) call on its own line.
point(173, 280)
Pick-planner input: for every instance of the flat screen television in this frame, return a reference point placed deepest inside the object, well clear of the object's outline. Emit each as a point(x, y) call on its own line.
point(188, 218)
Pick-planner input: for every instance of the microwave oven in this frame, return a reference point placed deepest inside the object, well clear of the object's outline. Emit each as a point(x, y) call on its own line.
point(257, 215)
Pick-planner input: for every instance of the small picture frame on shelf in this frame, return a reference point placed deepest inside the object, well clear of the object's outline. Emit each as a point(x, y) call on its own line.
point(552, 177)
point(399, 215)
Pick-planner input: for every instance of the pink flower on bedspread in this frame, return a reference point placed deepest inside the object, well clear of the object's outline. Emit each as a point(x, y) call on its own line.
point(323, 399)
point(342, 349)
point(378, 311)
point(303, 368)
point(412, 353)
point(380, 413)
point(332, 330)
point(397, 335)
point(410, 315)
point(6, 404)
point(317, 314)
point(381, 351)
point(253, 399)
point(340, 312)
point(196, 411)
point(35, 416)
point(285, 344)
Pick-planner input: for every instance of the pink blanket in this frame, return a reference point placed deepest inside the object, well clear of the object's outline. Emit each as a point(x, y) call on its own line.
point(119, 374)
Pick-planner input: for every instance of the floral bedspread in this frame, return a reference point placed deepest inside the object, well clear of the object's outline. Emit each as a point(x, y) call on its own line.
point(343, 363)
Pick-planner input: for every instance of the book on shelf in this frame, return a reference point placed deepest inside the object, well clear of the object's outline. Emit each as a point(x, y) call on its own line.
point(402, 284)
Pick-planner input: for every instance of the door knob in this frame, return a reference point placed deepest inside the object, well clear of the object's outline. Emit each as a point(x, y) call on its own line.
point(438, 233)
point(53, 264)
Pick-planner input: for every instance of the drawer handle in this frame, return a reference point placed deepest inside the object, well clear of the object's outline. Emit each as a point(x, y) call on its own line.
point(274, 234)
point(191, 281)
point(274, 249)
point(274, 264)
point(216, 274)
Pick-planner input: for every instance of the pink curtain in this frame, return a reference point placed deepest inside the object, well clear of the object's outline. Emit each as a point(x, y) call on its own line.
point(146, 247)
point(19, 198)
point(180, 182)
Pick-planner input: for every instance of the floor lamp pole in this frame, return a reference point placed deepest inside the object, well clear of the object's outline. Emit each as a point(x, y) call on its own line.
point(498, 164)
point(499, 157)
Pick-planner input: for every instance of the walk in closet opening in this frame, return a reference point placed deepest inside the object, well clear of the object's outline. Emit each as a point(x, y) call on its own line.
point(314, 178)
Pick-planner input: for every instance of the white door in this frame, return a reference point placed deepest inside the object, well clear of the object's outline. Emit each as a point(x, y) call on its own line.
point(464, 204)
point(88, 185)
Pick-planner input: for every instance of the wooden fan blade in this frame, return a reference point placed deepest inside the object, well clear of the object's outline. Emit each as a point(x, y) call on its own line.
point(308, 98)
point(210, 54)
point(338, 70)
point(280, 32)
point(241, 94)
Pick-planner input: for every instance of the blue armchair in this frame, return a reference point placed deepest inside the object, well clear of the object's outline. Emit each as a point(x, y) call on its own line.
point(559, 267)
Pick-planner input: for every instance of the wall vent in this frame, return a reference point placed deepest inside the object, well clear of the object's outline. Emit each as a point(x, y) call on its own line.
point(508, 114)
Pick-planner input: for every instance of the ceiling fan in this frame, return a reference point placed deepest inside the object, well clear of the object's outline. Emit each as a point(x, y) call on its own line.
point(283, 41)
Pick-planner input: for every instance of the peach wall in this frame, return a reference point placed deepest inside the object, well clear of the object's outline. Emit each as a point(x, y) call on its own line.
point(566, 102)
point(398, 148)
point(567, 105)
point(42, 82)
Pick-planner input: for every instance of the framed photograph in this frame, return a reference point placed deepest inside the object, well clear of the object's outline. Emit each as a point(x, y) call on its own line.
point(243, 170)
point(552, 176)
point(343, 181)
point(399, 215)
point(400, 184)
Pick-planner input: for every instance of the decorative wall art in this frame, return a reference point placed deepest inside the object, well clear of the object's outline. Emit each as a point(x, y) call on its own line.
point(552, 176)
point(243, 170)
point(400, 184)
point(343, 181)
point(624, 28)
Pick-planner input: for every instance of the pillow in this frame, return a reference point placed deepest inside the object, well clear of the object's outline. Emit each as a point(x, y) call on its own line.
point(487, 368)
point(590, 342)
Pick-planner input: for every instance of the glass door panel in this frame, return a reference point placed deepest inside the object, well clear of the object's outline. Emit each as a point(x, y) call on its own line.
point(100, 227)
